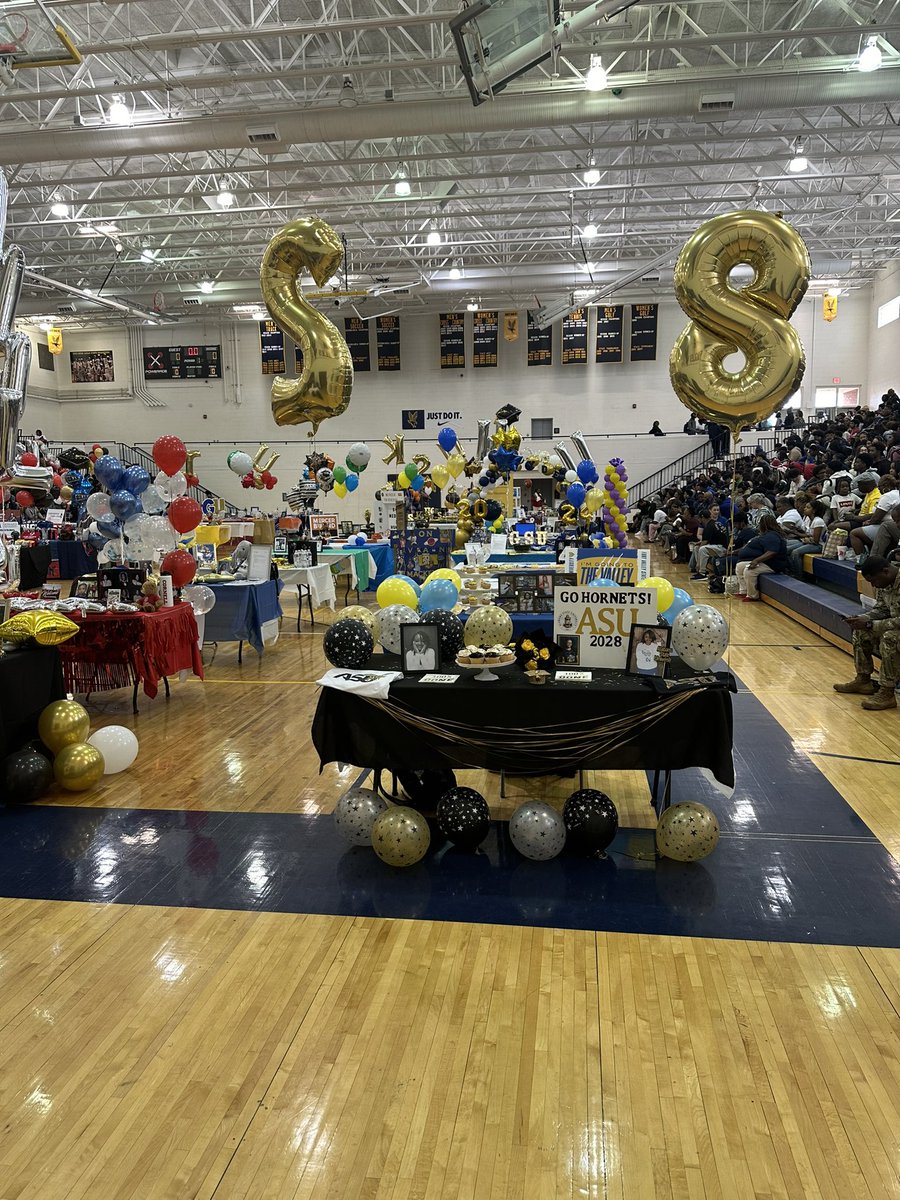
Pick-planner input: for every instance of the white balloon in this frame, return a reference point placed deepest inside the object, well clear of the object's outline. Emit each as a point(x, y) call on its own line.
point(152, 500)
point(359, 455)
point(201, 598)
point(571, 476)
point(387, 625)
point(118, 745)
point(700, 636)
point(98, 505)
point(170, 487)
point(159, 534)
point(240, 463)
point(537, 831)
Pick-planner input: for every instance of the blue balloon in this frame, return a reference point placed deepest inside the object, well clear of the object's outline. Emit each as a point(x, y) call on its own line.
point(439, 593)
point(417, 484)
point(110, 528)
point(135, 480)
point(360, 539)
point(109, 471)
point(575, 494)
point(412, 583)
point(605, 583)
point(351, 482)
point(447, 440)
point(587, 472)
point(123, 504)
point(682, 601)
point(96, 539)
point(73, 478)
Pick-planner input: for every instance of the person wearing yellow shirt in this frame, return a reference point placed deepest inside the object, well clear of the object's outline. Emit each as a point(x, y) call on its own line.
point(870, 499)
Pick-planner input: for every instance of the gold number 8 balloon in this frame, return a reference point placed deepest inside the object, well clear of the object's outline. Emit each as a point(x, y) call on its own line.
point(323, 389)
point(753, 319)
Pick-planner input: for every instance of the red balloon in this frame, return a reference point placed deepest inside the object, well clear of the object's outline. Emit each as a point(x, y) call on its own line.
point(181, 566)
point(57, 481)
point(247, 480)
point(24, 499)
point(169, 453)
point(97, 446)
point(192, 480)
point(185, 514)
point(29, 460)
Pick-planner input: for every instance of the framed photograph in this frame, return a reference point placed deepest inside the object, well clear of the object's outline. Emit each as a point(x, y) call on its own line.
point(420, 648)
point(205, 554)
point(86, 588)
point(281, 545)
point(645, 644)
point(569, 651)
point(259, 564)
point(92, 366)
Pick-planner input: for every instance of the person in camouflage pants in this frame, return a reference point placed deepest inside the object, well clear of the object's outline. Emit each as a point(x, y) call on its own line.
point(877, 631)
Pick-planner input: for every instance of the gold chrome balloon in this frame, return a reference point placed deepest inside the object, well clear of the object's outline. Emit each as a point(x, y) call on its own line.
point(63, 723)
point(753, 319)
point(78, 767)
point(394, 443)
point(400, 836)
point(323, 389)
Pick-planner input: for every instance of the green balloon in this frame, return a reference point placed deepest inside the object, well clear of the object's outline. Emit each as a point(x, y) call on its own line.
point(339, 474)
point(353, 467)
point(411, 470)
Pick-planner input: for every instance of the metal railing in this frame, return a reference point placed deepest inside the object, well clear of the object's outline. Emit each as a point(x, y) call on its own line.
point(695, 460)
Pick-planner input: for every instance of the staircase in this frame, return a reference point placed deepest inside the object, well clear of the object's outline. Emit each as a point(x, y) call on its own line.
point(693, 462)
point(135, 456)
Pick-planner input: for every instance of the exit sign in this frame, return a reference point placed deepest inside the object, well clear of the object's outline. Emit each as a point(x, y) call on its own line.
point(835, 379)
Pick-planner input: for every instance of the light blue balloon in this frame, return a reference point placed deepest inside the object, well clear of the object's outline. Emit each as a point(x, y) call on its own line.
point(417, 588)
point(605, 583)
point(439, 593)
point(682, 601)
point(417, 484)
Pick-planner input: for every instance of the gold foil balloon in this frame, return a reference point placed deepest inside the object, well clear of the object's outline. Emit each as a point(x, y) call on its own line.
point(394, 443)
point(400, 836)
point(440, 475)
point(63, 723)
point(488, 626)
point(687, 832)
point(594, 500)
point(356, 612)
point(323, 389)
point(78, 767)
point(753, 319)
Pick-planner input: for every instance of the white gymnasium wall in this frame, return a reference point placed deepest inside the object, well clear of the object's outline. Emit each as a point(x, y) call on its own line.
point(610, 403)
point(884, 367)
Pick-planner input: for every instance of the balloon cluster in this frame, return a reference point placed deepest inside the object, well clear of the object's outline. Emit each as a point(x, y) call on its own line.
point(439, 591)
point(615, 508)
point(253, 471)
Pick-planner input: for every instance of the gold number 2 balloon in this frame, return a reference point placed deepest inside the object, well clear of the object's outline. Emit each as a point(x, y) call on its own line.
point(753, 319)
point(323, 389)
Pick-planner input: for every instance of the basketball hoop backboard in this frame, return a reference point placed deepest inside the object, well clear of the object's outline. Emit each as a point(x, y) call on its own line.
point(489, 31)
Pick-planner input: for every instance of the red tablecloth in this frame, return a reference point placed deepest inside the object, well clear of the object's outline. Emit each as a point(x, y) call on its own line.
point(114, 650)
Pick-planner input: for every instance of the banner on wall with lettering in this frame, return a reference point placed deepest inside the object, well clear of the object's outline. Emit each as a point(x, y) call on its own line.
point(453, 340)
point(356, 335)
point(298, 360)
point(609, 333)
point(575, 336)
point(540, 344)
point(271, 348)
point(486, 329)
point(643, 332)
point(387, 338)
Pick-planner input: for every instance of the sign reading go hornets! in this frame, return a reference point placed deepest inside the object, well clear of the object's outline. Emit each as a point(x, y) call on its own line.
point(592, 625)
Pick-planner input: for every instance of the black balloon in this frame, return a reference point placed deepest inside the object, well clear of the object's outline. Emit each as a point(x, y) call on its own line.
point(450, 631)
point(464, 817)
point(348, 644)
point(591, 821)
point(26, 776)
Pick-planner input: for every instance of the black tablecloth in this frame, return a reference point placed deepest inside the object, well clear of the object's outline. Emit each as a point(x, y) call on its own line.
point(696, 732)
point(29, 681)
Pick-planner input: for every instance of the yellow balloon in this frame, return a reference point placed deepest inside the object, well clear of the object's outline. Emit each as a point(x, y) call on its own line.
point(400, 836)
point(665, 593)
point(63, 723)
point(340, 490)
point(754, 319)
point(456, 464)
point(440, 475)
point(356, 612)
point(446, 573)
point(323, 389)
point(594, 500)
point(78, 767)
point(396, 591)
point(687, 832)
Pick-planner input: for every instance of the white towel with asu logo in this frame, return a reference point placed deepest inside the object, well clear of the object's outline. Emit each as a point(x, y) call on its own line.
point(363, 682)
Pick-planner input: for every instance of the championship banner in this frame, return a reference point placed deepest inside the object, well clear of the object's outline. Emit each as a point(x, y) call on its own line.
point(387, 339)
point(643, 332)
point(511, 326)
point(574, 336)
point(609, 333)
point(540, 345)
point(626, 567)
point(298, 360)
point(271, 348)
point(829, 307)
point(356, 335)
point(486, 328)
point(453, 340)
point(592, 625)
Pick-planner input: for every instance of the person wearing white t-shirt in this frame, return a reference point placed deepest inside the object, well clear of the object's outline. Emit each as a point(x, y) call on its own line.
point(790, 522)
point(843, 502)
point(813, 539)
point(862, 538)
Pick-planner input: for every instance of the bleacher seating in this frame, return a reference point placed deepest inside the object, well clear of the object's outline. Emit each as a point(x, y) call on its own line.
point(820, 606)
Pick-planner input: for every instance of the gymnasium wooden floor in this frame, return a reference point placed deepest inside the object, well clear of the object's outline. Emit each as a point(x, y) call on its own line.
point(157, 1051)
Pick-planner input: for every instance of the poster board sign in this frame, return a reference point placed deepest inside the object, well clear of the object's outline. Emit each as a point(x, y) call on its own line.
point(626, 567)
point(323, 524)
point(453, 342)
point(92, 366)
point(592, 626)
point(540, 344)
point(259, 563)
point(55, 516)
point(485, 329)
point(271, 348)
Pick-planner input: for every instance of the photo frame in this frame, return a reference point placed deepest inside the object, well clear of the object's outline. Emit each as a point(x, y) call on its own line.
point(259, 563)
point(649, 650)
point(420, 648)
point(205, 554)
point(280, 545)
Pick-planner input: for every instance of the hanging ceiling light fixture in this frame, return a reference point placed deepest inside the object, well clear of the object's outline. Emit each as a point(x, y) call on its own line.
point(206, 285)
point(401, 183)
point(148, 254)
point(592, 172)
point(472, 306)
point(118, 112)
point(595, 80)
point(870, 55)
point(434, 236)
point(225, 197)
point(455, 271)
point(59, 208)
point(799, 162)
point(590, 230)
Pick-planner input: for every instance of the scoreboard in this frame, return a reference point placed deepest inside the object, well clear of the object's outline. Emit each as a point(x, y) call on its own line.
point(182, 362)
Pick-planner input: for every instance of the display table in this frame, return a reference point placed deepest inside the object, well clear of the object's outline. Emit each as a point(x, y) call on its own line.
point(618, 722)
point(75, 558)
point(244, 612)
point(30, 679)
point(114, 650)
point(354, 562)
point(316, 583)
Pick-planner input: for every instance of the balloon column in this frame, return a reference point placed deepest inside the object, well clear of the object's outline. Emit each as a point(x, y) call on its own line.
point(616, 506)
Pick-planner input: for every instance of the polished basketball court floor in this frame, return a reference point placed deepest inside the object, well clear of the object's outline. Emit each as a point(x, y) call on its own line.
point(204, 993)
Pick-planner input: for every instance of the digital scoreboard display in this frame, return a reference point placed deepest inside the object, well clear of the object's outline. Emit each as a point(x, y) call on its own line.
point(182, 362)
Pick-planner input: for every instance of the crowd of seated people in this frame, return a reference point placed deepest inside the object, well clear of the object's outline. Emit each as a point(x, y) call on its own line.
point(766, 512)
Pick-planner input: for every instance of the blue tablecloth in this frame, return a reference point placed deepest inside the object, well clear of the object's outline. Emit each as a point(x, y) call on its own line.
point(73, 559)
point(241, 611)
point(384, 562)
